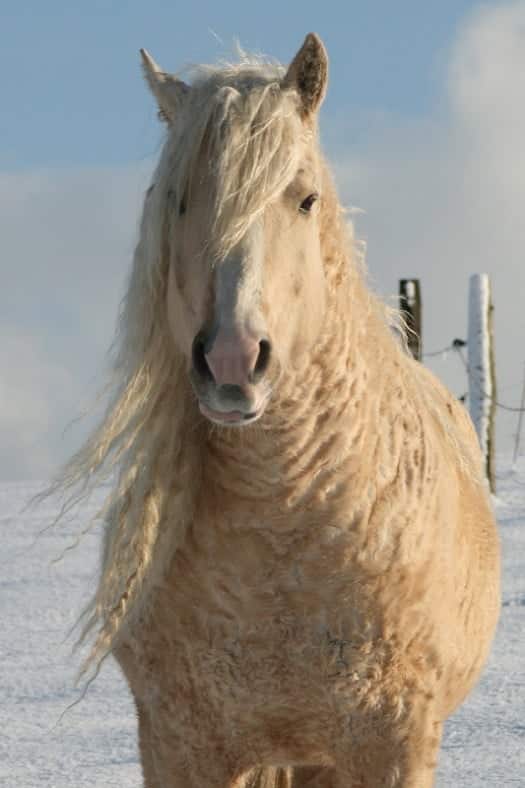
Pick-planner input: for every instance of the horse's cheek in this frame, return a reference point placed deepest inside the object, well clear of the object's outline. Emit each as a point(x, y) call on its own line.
point(312, 304)
point(182, 318)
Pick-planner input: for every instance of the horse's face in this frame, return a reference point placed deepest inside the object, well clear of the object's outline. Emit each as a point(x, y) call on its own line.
point(256, 312)
point(245, 317)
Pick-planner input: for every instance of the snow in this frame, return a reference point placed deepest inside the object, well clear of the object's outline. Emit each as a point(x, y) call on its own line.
point(94, 743)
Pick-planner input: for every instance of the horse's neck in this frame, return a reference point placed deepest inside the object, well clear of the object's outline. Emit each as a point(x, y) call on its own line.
point(316, 422)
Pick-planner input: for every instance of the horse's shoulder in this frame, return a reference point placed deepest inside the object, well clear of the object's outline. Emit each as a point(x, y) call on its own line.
point(445, 415)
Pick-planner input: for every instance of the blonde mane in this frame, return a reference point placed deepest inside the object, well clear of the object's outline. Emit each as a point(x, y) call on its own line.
point(250, 127)
point(308, 598)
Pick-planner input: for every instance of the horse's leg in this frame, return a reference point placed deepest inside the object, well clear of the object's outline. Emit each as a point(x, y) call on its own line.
point(267, 777)
point(418, 755)
point(193, 763)
point(165, 765)
point(380, 760)
point(146, 748)
point(313, 777)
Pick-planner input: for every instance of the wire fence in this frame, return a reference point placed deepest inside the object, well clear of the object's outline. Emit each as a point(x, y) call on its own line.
point(456, 347)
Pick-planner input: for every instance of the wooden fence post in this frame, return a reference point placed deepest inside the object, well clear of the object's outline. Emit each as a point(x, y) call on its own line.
point(410, 306)
point(481, 371)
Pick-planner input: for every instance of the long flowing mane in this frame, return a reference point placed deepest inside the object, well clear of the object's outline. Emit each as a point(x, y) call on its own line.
point(249, 127)
point(308, 597)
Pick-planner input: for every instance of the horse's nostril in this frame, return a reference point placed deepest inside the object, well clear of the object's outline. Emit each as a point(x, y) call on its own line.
point(198, 357)
point(263, 359)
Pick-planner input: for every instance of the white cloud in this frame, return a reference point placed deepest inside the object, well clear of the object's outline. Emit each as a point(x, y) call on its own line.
point(444, 196)
point(34, 390)
point(66, 242)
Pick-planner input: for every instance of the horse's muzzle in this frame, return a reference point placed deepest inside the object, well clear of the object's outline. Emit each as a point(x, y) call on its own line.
point(228, 378)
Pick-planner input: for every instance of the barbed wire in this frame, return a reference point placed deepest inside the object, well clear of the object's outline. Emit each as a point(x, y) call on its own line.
point(457, 346)
point(438, 352)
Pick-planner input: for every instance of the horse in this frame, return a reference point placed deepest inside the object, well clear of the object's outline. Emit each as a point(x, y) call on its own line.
point(300, 570)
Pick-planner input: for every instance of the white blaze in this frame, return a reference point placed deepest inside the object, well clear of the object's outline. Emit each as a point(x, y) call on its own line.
point(238, 282)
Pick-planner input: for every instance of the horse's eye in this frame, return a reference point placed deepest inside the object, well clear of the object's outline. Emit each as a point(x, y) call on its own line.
point(172, 199)
point(180, 206)
point(306, 205)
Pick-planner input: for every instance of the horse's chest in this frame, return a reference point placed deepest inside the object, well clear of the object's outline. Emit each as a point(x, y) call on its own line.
point(258, 658)
point(237, 619)
point(256, 578)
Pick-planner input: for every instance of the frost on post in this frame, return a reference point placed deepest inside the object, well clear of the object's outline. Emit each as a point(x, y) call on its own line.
point(410, 306)
point(482, 393)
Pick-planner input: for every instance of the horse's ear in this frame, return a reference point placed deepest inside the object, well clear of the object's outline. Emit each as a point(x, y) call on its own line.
point(167, 89)
point(308, 74)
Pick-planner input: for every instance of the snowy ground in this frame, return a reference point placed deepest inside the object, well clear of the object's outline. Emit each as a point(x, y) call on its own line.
point(94, 744)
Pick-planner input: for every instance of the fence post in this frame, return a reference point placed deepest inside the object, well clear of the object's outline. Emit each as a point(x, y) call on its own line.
point(410, 307)
point(481, 370)
point(520, 421)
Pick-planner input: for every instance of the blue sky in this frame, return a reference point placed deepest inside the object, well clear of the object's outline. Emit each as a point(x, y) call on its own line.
point(423, 125)
point(69, 72)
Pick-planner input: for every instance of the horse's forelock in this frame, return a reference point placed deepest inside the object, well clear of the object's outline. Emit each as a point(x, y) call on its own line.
point(249, 130)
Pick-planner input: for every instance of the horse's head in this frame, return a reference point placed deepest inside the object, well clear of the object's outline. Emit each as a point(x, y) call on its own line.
point(240, 180)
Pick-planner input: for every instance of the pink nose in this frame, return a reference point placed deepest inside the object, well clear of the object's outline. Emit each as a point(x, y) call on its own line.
point(237, 361)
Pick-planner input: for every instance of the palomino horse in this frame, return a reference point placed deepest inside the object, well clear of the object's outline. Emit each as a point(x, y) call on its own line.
point(301, 569)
